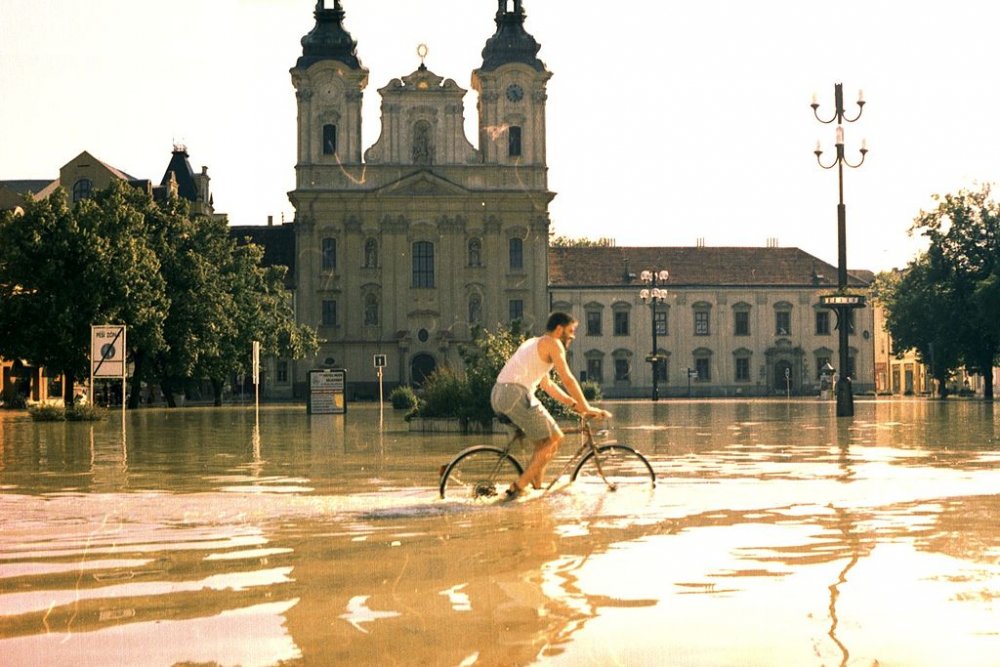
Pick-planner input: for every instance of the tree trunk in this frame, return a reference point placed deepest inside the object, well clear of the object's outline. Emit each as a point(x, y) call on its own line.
point(135, 395)
point(217, 390)
point(168, 393)
point(68, 387)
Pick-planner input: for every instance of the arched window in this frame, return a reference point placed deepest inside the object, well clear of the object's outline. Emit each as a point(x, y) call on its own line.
point(514, 141)
point(371, 309)
point(329, 139)
point(516, 254)
point(329, 250)
point(82, 189)
point(423, 264)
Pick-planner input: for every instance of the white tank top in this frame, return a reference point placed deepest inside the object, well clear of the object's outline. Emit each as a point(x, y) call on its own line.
point(525, 367)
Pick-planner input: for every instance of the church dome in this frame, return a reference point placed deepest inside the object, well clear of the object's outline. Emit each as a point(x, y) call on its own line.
point(328, 40)
point(511, 43)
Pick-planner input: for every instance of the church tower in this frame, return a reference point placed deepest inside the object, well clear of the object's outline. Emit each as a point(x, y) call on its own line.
point(511, 85)
point(405, 248)
point(329, 80)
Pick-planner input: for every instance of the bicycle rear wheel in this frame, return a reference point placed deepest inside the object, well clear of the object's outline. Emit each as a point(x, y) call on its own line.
point(621, 466)
point(479, 473)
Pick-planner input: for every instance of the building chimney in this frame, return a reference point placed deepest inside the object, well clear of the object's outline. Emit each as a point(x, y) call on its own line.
point(270, 221)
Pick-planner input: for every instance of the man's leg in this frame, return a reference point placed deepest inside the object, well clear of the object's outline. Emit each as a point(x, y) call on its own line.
point(544, 451)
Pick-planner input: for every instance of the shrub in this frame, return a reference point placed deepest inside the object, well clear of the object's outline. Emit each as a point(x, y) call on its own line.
point(86, 412)
point(12, 400)
point(444, 395)
point(47, 412)
point(403, 398)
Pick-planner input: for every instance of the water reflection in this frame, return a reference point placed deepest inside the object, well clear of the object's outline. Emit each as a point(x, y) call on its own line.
point(245, 537)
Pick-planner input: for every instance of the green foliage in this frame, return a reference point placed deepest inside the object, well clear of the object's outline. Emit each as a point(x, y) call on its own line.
point(591, 391)
point(192, 298)
point(581, 242)
point(946, 304)
point(12, 400)
point(86, 412)
point(47, 412)
point(403, 398)
point(445, 395)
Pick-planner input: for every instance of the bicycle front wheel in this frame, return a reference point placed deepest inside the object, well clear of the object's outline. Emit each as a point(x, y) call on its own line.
point(479, 473)
point(616, 466)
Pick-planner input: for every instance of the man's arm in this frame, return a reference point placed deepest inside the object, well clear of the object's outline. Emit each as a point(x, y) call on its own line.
point(573, 391)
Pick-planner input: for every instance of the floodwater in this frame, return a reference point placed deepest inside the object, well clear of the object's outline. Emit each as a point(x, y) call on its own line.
point(778, 534)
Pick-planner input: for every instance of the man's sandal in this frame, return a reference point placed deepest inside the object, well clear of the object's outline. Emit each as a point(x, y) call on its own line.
point(513, 492)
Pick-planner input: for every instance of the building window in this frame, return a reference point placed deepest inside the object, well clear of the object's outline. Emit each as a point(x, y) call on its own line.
point(622, 370)
point(514, 141)
point(329, 139)
point(475, 309)
point(701, 323)
point(329, 249)
point(822, 322)
point(621, 322)
point(594, 323)
point(516, 308)
point(282, 372)
point(82, 189)
point(741, 323)
point(660, 322)
point(371, 254)
point(782, 323)
point(516, 254)
point(329, 313)
point(423, 264)
point(475, 252)
point(371, 309)
point(704, 367)
point(595, 370)
point(742, 369)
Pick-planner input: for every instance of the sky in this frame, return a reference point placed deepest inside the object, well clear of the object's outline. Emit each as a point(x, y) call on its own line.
point(669, 123)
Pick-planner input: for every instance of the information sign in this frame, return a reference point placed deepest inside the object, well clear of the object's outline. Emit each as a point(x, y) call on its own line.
point(326, 391)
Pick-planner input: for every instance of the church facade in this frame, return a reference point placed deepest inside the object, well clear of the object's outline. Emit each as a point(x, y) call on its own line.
point(404, 246)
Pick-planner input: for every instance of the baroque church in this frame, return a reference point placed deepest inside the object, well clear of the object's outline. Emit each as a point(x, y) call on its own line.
point(403, 247)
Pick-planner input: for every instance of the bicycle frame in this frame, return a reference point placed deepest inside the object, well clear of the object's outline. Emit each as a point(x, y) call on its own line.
point(586, 445)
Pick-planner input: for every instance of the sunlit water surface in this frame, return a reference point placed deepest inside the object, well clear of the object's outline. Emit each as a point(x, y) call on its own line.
point(778, 534)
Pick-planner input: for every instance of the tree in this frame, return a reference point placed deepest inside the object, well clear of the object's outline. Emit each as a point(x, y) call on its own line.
point(581, 242)
point(956, 283)
point(918, 316)
point(63, 269)
point(192, 299)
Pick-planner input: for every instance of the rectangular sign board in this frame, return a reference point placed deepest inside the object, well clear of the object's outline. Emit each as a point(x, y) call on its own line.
point(107, 350)
point(326, 392)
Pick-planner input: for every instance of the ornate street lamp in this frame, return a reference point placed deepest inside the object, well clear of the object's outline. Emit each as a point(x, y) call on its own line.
point(654, 295)
point(842, 302)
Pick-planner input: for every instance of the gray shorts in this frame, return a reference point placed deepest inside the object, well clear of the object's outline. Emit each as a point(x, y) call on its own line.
point(525, 410)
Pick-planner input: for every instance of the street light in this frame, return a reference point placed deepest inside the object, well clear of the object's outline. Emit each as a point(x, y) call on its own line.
point(654, 295)
point(842, 302)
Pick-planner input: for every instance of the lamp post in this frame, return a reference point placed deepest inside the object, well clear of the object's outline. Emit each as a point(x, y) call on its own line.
point(654, 295)
point(842, 302)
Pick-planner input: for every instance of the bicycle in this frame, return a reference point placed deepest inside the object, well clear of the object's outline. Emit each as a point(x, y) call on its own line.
point(483, 472)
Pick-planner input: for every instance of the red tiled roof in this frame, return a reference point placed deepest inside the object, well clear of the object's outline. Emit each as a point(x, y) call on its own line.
point(692, 267)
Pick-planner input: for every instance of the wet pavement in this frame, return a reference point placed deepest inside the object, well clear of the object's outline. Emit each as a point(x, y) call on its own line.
point(777, 534)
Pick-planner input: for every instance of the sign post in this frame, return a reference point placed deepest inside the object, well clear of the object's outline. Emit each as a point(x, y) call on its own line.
point(107, 355)
point(256, 374)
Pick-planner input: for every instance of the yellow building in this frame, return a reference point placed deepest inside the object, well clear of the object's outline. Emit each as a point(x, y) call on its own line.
point(403, 247)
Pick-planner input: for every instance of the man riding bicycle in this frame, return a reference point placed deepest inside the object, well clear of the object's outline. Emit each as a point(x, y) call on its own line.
point(513, 395)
